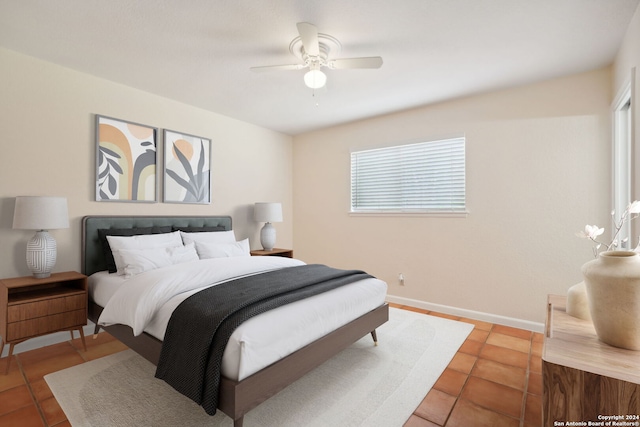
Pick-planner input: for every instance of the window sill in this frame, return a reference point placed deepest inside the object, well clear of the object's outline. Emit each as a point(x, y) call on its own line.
point(413, 214)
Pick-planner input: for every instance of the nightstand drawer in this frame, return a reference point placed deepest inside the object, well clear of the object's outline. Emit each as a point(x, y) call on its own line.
point(44, 325)
point(33, 310)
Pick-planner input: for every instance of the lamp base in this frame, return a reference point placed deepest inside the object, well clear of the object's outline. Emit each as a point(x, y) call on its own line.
point(268, 236)
point(41, 254)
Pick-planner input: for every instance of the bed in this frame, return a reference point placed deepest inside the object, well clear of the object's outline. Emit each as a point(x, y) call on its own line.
point(241, 387)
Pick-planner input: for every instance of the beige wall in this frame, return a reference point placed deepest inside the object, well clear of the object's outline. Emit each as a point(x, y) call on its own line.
point(538, 170)
point(48, 148)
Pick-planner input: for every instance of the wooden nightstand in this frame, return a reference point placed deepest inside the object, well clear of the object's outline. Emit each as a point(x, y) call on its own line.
point(287, 253)
point(31, 307)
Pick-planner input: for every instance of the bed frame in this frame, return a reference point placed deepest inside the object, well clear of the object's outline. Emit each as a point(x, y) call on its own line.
point(235, 398)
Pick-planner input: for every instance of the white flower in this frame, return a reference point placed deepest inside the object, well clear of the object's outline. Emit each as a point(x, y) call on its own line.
point(590, 232)
point(634, 207)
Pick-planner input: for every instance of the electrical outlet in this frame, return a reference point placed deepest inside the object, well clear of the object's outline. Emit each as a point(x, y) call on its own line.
point(401, 279)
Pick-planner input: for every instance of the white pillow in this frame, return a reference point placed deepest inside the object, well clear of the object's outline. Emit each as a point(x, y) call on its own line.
point(144, 241)
point(140, 260)
point(186, 253)
point(223, 250)
point(209, 237)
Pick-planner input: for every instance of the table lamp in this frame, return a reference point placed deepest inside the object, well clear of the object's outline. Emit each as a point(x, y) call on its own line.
point(268, 213)
point(41, 213)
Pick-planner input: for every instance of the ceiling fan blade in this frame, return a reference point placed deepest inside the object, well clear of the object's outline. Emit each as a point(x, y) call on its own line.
point(278, 68)
point(309, 37)
point(346, 63)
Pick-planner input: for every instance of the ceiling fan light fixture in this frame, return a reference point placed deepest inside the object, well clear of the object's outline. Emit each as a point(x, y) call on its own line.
point(315, 79)
point(314, 51)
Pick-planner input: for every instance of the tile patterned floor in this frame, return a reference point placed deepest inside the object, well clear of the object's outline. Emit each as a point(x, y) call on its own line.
point(494, 380)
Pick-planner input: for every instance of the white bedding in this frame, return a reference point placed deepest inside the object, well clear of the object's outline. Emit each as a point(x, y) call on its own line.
point(145, 302)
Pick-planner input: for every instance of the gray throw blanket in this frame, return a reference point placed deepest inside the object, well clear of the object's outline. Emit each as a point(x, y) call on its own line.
point(201, 325)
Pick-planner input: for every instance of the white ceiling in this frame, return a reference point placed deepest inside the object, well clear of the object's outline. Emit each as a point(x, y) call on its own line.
point(199, 51)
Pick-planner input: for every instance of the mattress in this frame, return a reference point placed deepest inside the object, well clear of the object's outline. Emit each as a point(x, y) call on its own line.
point(268, 337)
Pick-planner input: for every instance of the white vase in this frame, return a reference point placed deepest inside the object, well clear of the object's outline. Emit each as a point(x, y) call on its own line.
point(578, 302)
point(613, 288)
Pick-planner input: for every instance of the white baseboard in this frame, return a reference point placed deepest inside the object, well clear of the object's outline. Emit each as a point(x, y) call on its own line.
point(45, 340)
point(470, 314)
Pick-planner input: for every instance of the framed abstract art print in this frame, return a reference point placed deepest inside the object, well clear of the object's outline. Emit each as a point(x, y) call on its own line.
point(126, 161)
point(187, 168)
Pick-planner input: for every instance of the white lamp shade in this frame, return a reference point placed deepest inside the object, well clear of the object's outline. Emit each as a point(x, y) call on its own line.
point(315, 79)
point(40, 213)
point(268, 212)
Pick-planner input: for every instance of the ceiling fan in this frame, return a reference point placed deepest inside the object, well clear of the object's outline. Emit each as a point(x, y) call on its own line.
point(314, 49)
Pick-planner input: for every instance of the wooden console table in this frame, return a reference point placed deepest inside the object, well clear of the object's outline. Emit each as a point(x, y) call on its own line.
point(585, 379)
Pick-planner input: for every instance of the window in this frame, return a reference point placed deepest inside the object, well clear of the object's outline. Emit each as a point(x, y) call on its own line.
point(622, 119)
point(424, 177)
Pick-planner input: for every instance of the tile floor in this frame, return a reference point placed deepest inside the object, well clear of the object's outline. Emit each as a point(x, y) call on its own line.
point(494, 380)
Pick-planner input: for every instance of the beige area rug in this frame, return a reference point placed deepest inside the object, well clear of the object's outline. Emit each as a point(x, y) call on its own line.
point(361, 386)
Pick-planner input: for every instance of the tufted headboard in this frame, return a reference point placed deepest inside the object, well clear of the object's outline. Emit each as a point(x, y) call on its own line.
point(92, 254)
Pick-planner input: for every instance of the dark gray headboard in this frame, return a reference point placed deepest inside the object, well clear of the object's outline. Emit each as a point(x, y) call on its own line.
point(92, 255)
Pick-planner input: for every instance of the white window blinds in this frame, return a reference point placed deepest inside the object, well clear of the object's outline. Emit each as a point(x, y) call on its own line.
point(425, 177)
